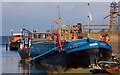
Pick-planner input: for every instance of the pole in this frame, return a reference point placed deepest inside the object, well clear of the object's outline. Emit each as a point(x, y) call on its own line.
point(59, 28)
point(88, 20)
point(88, 26)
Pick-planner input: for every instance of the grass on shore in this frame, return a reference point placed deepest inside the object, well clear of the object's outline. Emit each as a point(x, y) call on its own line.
point(71, 70)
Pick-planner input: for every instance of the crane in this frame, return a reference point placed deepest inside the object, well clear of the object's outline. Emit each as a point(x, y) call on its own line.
point(114, 13)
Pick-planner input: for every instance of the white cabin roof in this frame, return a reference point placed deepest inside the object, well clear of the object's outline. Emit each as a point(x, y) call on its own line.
point(17, 34)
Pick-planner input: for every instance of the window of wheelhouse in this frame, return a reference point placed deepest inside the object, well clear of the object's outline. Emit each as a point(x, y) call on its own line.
point(40, 35)
point(34, 35)
point(17, 35)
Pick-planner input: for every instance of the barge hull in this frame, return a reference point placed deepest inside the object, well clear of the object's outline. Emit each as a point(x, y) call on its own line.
point(82, 58)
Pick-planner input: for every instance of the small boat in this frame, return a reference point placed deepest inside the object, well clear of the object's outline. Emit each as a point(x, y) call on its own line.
point(109, 66)
point(14, 44)
point(112, 70)
point(106, 67)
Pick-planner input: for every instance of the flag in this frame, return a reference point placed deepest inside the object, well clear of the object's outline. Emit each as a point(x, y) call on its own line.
point(90, 16)
point(55, 22)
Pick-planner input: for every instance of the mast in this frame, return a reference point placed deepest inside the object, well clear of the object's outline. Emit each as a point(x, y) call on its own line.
point(59, 26)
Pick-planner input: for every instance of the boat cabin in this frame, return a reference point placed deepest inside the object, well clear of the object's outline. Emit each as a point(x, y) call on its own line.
point(17, 37)
point(40, 35)
point(71, 32)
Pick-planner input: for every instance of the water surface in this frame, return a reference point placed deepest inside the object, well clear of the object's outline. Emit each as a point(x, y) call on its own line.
point(11, 64)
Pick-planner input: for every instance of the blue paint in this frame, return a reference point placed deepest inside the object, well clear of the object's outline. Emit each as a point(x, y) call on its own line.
point(37, 49)
point(73, 46)
point(46, 53)
point(83, 45)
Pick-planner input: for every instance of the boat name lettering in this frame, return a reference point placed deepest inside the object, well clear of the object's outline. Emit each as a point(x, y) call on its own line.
point(93, 44)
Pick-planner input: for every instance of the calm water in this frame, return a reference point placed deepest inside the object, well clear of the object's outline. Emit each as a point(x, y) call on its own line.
point(11, 64)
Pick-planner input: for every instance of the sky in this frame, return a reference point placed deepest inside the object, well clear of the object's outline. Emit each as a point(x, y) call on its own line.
point(59, 0)
point(40, 15)
point(17, 14)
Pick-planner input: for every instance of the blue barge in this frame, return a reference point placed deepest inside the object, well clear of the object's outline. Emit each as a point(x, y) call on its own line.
point(75, 53)
point(81, 52)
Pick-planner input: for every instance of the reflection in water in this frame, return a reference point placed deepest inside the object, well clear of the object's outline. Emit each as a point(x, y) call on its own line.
point(24, 67)
point(11, 64)
point(27, 68)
